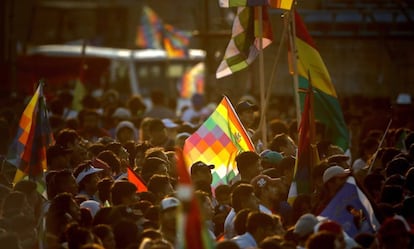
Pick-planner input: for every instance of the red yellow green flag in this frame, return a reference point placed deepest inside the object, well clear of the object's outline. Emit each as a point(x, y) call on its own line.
point(218, 141)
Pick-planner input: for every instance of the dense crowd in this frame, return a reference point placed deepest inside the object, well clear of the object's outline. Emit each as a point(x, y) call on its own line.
point(89, 202)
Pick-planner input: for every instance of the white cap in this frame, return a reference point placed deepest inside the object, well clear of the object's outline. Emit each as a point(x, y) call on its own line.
point(92, 206)
point(168, 123)
point(169, 202)
point(87, 171)
point(124, 124)
point(334, 171)
point(121, 113)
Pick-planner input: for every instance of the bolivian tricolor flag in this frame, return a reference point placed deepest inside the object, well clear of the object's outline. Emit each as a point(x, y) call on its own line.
point(327, 108)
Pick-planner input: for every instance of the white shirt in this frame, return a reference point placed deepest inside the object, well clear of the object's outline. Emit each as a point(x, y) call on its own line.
point(245, 241)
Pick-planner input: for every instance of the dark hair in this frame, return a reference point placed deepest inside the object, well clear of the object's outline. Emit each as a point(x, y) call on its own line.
point(157, 183)
point(256, 220)
point(121, 189)
point(240, 194)
point(65, 137)
point(111, 159)
point(278, 141)
point(240, 221)
point(104, 189)
point(245, 159)
point(321, 240)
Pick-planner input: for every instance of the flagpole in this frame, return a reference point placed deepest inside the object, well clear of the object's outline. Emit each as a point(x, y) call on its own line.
point(379, 147)
point(262, 123)
point(292, 35)
point(279, 52)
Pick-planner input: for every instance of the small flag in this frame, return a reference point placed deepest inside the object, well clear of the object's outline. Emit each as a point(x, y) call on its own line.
point(34, 136)
point(136, 180)
point(218, 141)
point(244, 44)
point(193, 81)
point(326, 105)
point(307, 154)
point(176, 42)
point(348, 198)
point(149, 33)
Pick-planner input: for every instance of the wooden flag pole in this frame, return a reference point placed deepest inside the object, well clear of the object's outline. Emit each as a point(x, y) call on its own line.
point(262, 123)
point(294, 55)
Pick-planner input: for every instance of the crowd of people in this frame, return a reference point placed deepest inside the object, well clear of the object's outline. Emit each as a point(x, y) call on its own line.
point(90, 203)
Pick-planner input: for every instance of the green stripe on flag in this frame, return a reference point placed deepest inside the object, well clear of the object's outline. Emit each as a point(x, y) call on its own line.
point(327, 110)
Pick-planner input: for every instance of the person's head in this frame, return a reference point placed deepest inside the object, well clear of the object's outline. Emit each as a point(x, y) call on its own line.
point(222, 193)
point(113, 161)
point(248, 165)
point(125, 131)
point(283, 144)
point(160, 186)
point(323, 240)
point(270, 159)
point(393, 233)
point(126, 234)
point(334, 177)
point(59, 182)
point(140, 150)
point(152, 166)
point(260, 225)
point(206, 206)
point(77, 236)
point(87, 177)
point(201, 171)
point(392, 194)
point(336, 229)
point(268, 189)
point(62, 211)
point(136, 105)
point(92, 206)
point(123, 193)
point(243, 197)
point(304, 226)
point(89, 119)
point(58, 157)
point(168, 213)
point(245, 110)
point(240, 221)
point(106, 235)
point(15, 203)
point(157, 132)
point(29, 188)
point(277, 126)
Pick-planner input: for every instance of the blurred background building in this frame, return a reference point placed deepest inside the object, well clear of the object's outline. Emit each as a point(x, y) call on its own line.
point(367, 45)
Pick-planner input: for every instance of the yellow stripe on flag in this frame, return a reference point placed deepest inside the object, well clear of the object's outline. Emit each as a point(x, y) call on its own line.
point(311, 60)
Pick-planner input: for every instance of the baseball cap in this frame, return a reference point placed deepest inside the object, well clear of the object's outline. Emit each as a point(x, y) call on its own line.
point(121, 113)
point(168, 123)
point(169, 202)
point(199, 165)
point(124, 124)
point(305, 225)
point(334, 171)
point(246, 105)
point(261, 181)
point(87, 171)
point(92, 205)
point(270, 156)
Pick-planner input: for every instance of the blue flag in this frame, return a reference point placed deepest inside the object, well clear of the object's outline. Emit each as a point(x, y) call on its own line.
point(349, 198)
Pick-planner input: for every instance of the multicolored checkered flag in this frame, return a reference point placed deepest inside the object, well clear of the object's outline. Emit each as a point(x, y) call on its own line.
point(34, 136)
point(218, 141)
point(244, 44)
